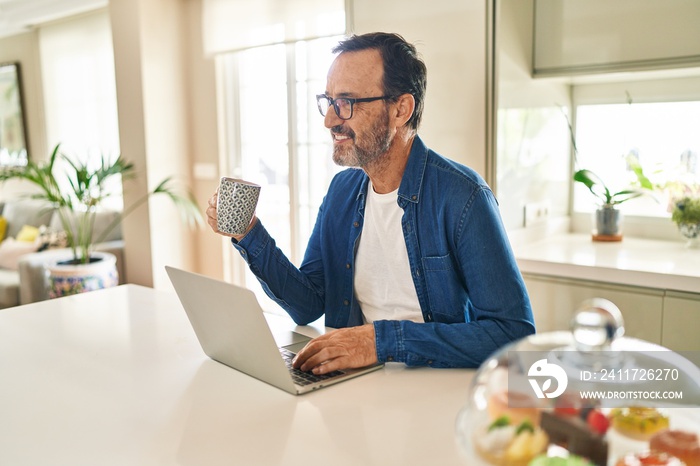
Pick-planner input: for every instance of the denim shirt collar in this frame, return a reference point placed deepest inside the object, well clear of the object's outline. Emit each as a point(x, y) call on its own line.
point(412, 179)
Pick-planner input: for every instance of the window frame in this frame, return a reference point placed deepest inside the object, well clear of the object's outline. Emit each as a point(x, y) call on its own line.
point(229, 88)
point(651, 87)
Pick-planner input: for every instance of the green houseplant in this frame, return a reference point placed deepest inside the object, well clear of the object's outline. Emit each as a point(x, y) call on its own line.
point(686, 214)
point(77, 191)
point(596, 185)
point(608, 217)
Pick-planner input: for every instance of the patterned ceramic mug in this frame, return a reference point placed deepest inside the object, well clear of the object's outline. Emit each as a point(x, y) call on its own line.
point(236, 205)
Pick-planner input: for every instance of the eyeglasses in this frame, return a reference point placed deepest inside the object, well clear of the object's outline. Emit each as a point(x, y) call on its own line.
point(343, 106)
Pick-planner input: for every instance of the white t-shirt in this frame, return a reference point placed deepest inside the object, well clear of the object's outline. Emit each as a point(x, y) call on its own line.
point(383, 283)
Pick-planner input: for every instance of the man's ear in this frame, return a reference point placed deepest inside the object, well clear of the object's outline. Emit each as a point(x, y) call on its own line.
point(403, 109)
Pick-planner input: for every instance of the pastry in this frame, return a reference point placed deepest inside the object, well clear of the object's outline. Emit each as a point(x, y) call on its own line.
point(638, 422)
point(518, 407)
point(507, 444)
point(681, 444)
point(576, 436)
point(649, 459)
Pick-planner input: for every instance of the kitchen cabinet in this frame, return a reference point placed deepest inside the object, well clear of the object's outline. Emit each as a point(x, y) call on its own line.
point(681, 322)
point(555, 301)
point(594, 36)
point(669, 318)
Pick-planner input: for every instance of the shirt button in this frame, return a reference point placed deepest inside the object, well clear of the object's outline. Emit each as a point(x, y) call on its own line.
point(356, 224)
point(414, 197)
point(390, 358)
point(346, 302)
point(347, 266)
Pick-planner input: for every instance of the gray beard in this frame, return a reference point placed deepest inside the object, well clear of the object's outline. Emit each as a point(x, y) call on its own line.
point(371, 152)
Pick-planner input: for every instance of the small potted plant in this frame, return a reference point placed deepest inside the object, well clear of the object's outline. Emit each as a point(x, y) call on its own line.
point(686, 214)
point(608, 217)
point(77, 191)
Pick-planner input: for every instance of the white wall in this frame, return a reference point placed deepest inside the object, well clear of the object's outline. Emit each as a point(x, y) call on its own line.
point(451, 37)
point(151, 72)
point(533, 151)
point(205, 141)
point(24, 48)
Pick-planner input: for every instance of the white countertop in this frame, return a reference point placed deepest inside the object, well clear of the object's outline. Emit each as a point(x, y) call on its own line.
point(666, 265)
point(117, 377)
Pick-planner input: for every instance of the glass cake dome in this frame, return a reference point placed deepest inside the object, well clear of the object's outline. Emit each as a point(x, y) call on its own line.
point(589, 396)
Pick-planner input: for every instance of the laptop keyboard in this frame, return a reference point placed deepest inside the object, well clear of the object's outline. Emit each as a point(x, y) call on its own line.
point(304, 378)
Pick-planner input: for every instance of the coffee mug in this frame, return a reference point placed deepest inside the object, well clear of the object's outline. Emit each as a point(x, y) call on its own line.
point(236, 205)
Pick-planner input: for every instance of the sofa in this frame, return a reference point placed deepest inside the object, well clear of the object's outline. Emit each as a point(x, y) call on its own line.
point(29, 232)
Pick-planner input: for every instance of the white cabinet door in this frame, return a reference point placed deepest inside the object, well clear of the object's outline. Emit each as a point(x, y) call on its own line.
point(681, 323)
point(583, 36)
point(555, 301)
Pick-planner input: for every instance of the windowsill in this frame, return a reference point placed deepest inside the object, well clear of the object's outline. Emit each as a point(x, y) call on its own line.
point(666, 265)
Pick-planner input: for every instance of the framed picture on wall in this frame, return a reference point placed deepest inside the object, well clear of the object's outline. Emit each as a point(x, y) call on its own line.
point(13, 136)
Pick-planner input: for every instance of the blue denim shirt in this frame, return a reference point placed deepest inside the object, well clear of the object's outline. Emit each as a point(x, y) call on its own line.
point(470, 290)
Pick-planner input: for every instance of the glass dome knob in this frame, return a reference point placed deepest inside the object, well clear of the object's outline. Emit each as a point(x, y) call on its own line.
point(596, 324)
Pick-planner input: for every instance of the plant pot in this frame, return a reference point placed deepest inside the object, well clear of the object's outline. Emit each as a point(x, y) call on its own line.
point(691, 231)
point(67, 278)
point(608, 224)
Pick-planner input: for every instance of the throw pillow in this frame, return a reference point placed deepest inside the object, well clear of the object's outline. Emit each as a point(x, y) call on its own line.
point(3, 228)
point(25, 212)
point(12, 250)
point(27, 234)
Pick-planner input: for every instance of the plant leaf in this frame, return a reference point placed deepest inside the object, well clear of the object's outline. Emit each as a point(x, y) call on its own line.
point(594, 184)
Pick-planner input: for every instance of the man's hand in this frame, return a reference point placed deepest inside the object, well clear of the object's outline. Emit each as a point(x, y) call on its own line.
point(345, 348)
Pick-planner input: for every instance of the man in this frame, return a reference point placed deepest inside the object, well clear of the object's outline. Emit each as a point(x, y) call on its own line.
point(408, 259)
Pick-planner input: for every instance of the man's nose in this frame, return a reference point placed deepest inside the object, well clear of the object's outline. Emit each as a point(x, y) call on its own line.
point(331, 119)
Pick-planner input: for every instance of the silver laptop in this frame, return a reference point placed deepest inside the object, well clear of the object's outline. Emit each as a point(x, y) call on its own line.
point(230, 326)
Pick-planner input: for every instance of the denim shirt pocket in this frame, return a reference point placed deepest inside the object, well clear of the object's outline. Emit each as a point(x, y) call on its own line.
point(444, 289)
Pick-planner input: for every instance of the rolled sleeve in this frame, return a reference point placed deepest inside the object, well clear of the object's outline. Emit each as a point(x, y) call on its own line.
point(389, 341)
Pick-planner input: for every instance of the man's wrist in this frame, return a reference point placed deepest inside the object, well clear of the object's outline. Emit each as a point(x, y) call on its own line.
point(387, 334)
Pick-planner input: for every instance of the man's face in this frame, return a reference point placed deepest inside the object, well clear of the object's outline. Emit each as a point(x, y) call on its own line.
point(366, 136)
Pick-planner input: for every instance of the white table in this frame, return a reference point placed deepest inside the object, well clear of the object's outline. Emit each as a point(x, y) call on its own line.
point(117, 377)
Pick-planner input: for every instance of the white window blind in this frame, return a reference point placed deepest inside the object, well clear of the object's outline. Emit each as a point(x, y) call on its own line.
point(231, 25)
point(80, 97)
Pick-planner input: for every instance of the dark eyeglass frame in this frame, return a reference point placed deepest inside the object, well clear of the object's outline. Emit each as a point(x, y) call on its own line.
point(334, 103)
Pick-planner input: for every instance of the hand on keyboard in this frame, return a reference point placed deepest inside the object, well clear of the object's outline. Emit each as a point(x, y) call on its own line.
point(304, 378)
point(344, 348)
